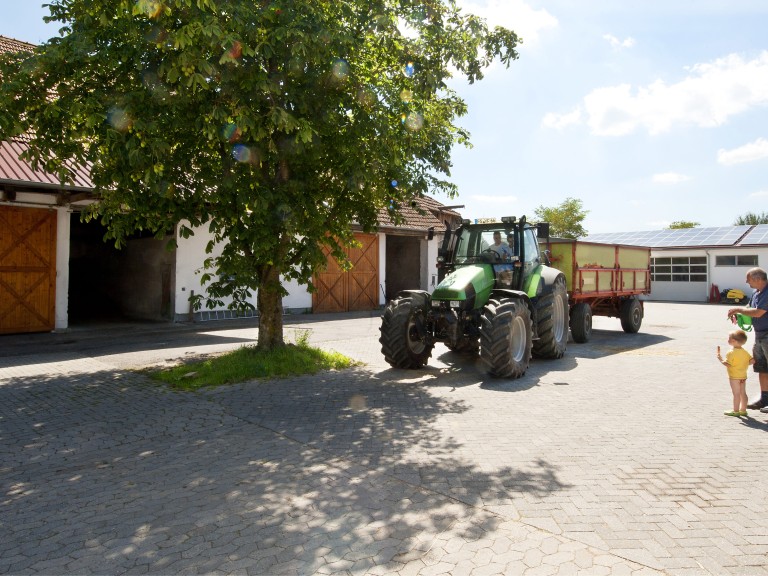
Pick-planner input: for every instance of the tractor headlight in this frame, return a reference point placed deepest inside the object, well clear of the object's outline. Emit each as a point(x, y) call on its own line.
point(446, 303)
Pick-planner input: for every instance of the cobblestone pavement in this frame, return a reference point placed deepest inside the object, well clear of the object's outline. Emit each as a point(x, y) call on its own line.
point(616, 459)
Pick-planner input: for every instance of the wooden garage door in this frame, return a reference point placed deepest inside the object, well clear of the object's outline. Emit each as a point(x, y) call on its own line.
point(356, 289)
point(27, 269)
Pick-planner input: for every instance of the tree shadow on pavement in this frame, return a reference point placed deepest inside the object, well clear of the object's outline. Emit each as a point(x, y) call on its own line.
point(342, 471)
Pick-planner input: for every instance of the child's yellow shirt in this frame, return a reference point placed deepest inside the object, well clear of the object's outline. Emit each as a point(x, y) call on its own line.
point(738, 361)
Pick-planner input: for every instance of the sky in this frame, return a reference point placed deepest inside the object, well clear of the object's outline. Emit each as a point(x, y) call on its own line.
point(648, 111)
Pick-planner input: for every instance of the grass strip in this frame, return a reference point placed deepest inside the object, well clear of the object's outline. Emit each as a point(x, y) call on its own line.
point(249, 363)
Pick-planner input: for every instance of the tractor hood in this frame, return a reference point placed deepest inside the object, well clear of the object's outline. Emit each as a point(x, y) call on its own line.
point(470, 285)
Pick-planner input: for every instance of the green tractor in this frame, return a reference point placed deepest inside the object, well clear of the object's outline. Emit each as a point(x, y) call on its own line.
point(503, 298)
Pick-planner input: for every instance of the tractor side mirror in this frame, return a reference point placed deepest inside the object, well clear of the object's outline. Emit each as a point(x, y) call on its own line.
point(542, 230)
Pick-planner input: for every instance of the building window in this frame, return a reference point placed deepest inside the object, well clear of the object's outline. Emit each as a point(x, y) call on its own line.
point(740, 260)
point(679, 269)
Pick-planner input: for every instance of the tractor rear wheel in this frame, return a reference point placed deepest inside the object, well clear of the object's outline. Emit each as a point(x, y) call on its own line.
point(631, 315)
point(506, 338)
point(581, 322)
point(401, 337)
point(552, 322)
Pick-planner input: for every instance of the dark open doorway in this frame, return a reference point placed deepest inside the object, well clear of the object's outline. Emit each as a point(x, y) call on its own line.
point(107, 284)
point(403, 270)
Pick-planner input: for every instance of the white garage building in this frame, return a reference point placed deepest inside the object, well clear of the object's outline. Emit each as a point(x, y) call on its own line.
point(696, 264)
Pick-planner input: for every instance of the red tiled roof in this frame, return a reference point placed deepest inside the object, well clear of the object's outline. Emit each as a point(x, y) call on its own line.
point(18, 172)
point(427, 213)
point(13, 45)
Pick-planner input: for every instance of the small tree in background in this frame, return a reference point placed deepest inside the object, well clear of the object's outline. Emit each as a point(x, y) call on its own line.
point(564, 220)
point(679, 224)
point(275, 123)
point(751, 219)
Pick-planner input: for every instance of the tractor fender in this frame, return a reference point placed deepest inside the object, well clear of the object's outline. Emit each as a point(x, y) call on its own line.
point(545, 277)
point(498, 293)
point(419, 298)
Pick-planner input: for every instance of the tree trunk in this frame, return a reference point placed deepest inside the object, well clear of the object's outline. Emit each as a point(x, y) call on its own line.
point(270, 305)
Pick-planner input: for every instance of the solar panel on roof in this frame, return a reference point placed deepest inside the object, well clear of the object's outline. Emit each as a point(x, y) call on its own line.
point(758, 235)
point(712, 236)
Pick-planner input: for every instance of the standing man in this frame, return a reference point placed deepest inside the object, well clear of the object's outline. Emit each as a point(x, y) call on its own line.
point(757, 309)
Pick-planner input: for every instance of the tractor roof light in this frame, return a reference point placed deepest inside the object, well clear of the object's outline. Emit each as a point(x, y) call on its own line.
point(508, 219)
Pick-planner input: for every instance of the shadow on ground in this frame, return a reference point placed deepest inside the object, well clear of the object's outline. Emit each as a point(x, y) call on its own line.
point(107, 472)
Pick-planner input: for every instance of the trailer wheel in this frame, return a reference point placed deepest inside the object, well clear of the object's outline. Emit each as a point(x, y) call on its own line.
point(401, 343)
point(631, 315)
point(552, 322)
point(581, 322)
point(506, 338)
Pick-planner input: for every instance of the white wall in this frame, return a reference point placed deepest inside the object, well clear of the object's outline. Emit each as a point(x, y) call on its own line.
point(429, 262)
point(190, 258)
point(191, 255)
point(62, 268)
point(735, 276)
point(382, 267)
point(722, 276)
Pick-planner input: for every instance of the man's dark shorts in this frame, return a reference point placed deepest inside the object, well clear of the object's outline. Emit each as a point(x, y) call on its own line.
point(760, 353)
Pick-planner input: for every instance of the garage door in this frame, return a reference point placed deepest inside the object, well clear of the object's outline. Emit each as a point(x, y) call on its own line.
point(27, 269)
point(356, 289)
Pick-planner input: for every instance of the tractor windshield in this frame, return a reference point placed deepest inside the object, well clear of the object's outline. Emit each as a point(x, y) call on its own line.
point(497, 244)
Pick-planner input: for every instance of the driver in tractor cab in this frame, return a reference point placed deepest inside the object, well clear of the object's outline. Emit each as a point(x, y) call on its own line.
point(503, 249)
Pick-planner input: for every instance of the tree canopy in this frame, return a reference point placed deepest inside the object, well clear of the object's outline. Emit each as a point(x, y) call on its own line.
point(751, 218)
point(565, 219)
point(275, 123)
point(680, 224)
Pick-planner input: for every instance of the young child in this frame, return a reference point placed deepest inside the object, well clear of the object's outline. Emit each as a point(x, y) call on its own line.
point(736, 361)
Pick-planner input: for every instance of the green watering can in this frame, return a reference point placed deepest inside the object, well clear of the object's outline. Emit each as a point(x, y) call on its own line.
point(744, 322)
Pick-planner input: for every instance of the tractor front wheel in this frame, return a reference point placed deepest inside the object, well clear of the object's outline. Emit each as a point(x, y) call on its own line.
point(403, 339)
point(506, 338)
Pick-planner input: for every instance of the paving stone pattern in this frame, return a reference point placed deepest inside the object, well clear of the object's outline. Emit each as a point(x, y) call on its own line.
point(616, 459)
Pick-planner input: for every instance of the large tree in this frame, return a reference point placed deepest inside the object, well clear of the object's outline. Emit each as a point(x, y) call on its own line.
point(565, 219)
point(276, 123)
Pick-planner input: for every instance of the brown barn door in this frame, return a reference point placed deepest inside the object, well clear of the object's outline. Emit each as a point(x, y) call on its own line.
point(330, 287)
point(364, 275)
point(27, 270)
point(357, 289)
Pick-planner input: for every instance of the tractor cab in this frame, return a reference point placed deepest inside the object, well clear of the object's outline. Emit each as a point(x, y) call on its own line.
point(510, 247)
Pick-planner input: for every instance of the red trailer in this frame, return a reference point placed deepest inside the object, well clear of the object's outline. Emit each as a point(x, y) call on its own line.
point(603, 280)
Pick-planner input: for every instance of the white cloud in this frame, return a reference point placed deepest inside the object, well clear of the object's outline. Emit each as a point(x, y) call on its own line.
point(707, 97)
point(756, 150)
point(628, 42)
point(670, 178)
point(760, 194)
point(516, 15)
point(560, 121)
